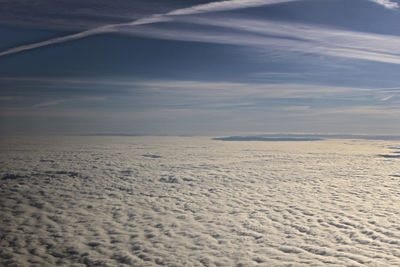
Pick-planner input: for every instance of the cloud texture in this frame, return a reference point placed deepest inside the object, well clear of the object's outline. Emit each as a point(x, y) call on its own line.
point(143, 201)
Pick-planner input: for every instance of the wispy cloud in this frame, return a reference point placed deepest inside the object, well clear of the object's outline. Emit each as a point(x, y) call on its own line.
point(103, 29)
point(70, 100)
point(282, 36)
point(387, 3)
point(155, 93)
point(262, 34)
point(204, 8)
point(371, 111)
point(50, 103)
point(225, 6)
point(387, 98)
point(213, 103)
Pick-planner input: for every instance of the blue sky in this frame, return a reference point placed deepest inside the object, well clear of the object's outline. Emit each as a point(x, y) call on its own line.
point(199, 67)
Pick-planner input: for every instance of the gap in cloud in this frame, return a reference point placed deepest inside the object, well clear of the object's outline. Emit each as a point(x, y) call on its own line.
point(118, 55)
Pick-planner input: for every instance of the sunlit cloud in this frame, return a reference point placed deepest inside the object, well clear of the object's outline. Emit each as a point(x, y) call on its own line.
point(387, 3)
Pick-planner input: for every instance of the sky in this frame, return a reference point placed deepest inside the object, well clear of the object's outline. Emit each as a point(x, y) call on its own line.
point(197, 67)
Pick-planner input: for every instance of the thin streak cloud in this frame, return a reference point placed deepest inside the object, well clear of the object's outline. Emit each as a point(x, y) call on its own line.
point(387, 98)
point(282, 37)
point(225, 6)
point(103, 29)
point(204, 8)
point(202, 89)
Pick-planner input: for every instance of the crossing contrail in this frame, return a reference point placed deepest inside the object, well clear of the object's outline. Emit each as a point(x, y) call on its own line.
point(197, 9)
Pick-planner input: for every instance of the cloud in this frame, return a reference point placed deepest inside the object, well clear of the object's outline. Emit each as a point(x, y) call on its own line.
point(263, 34)
point(386, 98)
point(178, 100)
point(224, 6)
point(62, 39)
point(204, 8)
point(387, 3)
point(277, 36)
point(50, 103)
point(154, 103)
point(192, 88)
point(371, 111)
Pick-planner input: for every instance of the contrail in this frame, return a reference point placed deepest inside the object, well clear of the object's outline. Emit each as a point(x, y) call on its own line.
point(55, 40)
point(204, 8)
point(80, 35)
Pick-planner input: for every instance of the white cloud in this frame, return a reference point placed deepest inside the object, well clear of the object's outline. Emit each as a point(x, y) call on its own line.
point(387, 98)
point(62, 39)
point(283, 37)
point(212, 7)
point(268, 35)
point(387, 3)
point(225, 5)
point(229, 204)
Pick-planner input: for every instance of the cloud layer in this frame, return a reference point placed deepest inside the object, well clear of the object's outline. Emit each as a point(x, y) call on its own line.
point(151, 201)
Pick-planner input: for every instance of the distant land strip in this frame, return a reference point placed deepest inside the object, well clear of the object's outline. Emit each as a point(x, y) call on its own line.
point(269, 139)
point(305, 137)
